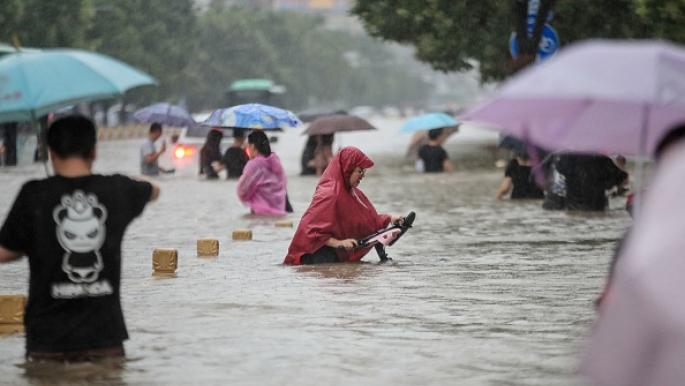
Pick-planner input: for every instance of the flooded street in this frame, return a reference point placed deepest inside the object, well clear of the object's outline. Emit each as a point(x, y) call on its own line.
point(480, 293)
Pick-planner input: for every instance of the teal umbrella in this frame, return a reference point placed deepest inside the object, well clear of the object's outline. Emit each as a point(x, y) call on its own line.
point(6, 49)
point(428, 122)
point(33, 84)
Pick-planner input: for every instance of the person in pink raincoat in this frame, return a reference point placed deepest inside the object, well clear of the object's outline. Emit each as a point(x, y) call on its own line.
point(262, 185)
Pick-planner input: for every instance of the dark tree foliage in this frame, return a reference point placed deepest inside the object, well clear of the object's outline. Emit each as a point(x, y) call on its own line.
point(455, 35)
point(195, 54)
point(45, 23)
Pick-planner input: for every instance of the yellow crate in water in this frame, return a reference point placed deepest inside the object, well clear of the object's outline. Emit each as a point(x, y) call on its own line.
point(12, 309)
point(208, 247)
point(12, 313)
point(284, 224)
point(164, 260)
point(242, 234)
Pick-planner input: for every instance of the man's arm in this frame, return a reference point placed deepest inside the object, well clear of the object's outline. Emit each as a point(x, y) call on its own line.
point(154, 155)
point(447, 166)
point(154, 194)
point(154, 191)
point(504, 188)
point(7, 255)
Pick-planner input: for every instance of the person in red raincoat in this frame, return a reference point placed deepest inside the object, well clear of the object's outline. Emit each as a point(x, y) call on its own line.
point(338, 216)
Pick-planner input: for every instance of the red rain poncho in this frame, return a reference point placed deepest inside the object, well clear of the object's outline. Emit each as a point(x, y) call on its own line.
point(337, 210)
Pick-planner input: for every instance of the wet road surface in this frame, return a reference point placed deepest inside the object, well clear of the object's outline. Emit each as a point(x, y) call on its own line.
point(480, 292)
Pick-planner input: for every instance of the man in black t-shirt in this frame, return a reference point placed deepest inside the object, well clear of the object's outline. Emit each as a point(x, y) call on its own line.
point(519, 180)
point(71, 227)
point(235, 158)
point(588, 177)
point(433, 156)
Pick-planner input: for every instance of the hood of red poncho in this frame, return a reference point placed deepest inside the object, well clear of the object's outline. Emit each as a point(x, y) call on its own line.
point(337, 210)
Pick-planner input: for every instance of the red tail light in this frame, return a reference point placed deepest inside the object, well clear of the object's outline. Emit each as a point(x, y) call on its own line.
point(181, 151)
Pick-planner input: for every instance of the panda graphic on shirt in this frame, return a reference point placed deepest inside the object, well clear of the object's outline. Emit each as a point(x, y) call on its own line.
point(81, 232)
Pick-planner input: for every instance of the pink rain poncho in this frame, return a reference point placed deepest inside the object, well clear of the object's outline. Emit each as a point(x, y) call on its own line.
point(262, 185)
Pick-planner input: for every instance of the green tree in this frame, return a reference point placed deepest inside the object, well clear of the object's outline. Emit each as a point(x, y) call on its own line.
point(196, 55)
point(663, 19)
point(455, 35)
point(296, 51)
point(230, 48)
point(39, 23)
point(156, 36)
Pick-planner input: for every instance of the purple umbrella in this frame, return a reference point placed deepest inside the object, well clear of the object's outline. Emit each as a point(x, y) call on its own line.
point(166, 114)
point(595, 96)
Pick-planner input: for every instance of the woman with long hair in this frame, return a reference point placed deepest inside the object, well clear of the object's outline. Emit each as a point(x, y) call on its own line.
point(211, 152)
point(263, 183)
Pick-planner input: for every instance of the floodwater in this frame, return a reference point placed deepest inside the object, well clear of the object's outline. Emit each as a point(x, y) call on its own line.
point(480, 292)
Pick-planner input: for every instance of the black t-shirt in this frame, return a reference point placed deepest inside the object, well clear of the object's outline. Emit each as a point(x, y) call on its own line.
point(522, 180)
point(587, 179)
point(207, 156)
point(71, 230)
point(308, 155)
point(433, 157)
point(234, 161)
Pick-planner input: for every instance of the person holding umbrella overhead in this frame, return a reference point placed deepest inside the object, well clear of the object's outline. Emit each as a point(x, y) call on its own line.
point(432, 158)
point(235, 158)
point(262, 185)
point(323, 153)
point(149, 155)
point(323, 129)
point(162, 114)
point(518, 179)
point(210, 153)
point(308, 153)
point(307, 158)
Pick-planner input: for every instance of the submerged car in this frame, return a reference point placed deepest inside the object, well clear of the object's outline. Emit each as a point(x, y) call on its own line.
point(185, 150)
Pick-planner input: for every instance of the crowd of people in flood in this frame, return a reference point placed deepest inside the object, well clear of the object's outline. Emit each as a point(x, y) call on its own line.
point(562, 180)
point(82, 216)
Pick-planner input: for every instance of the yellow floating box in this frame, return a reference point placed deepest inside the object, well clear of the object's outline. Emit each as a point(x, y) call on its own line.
point(164, 260)
point(284, 224)
point(12, 313)
point(242, 234)
point(208, 247)
point(11, 328)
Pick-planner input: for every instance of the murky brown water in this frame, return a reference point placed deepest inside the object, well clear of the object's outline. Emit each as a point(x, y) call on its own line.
point(481, 292)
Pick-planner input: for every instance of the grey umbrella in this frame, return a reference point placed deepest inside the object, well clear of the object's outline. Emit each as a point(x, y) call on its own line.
point(337, 123)
point(166, 114)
